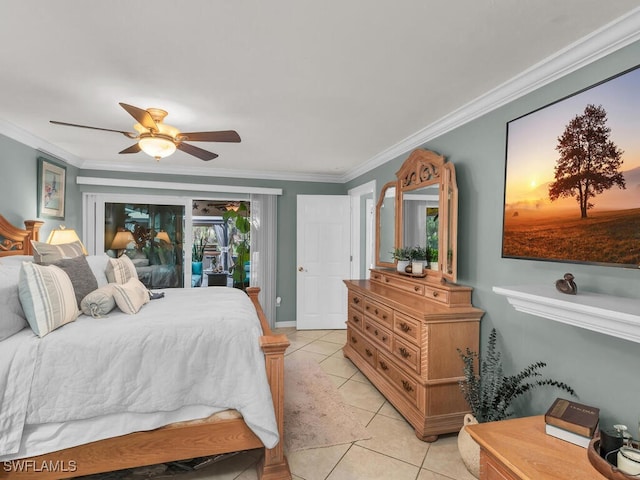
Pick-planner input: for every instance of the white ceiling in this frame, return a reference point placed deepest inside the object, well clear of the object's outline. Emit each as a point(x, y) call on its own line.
point(316, 89)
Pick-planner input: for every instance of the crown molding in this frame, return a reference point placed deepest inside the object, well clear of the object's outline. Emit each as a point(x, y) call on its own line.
point(182, 170)
point(604, 41)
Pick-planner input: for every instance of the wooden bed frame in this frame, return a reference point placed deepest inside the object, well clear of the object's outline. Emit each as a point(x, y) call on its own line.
point(178, 441)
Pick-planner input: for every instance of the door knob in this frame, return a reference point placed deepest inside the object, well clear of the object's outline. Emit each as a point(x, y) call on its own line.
point(300, 269)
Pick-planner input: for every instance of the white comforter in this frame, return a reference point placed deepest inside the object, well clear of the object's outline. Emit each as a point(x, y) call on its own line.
point(193, 347)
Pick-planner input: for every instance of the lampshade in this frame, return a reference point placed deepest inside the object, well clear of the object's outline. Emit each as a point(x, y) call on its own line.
point(157, 147)
point(164, 236)
point(232, 206)
point(121, 240)
point(63, 235)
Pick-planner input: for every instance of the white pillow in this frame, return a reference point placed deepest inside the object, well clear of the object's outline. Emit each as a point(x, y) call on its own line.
point(99, 302)
point(15, 260)
point(131, 296)
point(120, 270)
point(12, 318)
point(44, 254)
point(47, 297)
point(98, 264)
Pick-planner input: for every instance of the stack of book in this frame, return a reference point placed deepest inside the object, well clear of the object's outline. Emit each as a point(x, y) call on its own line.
point(571, 421)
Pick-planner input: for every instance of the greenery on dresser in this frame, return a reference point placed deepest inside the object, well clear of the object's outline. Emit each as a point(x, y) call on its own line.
point(491, 393)
point(402, 254)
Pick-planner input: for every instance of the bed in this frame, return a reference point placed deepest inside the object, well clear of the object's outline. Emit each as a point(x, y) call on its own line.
point(207, 422)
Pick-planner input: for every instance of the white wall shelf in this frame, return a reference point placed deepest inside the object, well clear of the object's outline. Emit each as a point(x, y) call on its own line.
point(615, 316)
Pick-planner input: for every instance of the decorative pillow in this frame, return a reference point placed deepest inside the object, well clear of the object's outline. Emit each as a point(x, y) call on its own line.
point(82, 278)
point(99, 302)
point(131, 296)
point(12, 318)
point(46, 254)
point(47, 297)
point(98, 264)
point(15, 260)
point(120, 270)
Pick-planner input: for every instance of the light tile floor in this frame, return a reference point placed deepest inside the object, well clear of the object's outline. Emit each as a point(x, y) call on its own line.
point(392, 453)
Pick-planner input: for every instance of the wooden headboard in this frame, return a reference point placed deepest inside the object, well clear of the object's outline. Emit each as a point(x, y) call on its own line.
point(16, 241)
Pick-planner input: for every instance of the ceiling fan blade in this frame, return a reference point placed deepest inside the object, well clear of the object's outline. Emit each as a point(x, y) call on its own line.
point(196, 151)
point(126, 134)
point(142, 116)
point(221, 136)
point(135, 148)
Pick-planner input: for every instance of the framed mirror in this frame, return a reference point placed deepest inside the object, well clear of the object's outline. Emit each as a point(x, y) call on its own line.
point(426, 214)
point(386, 225)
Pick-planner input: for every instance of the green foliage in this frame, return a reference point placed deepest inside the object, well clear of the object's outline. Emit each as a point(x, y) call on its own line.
point(490, 394)
point(197, 250)
point(402, 254)
point(419, 253)
point(239, 241)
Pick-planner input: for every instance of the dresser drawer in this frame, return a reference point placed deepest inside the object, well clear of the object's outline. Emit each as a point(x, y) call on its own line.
point(397, 378)
point(407, 327)
point(355, 318)
point(379, 312)
point(441, 296)
point(362, 346)
point(376, 332)
point(407, 353)
point(355, 301)
point(403, 284)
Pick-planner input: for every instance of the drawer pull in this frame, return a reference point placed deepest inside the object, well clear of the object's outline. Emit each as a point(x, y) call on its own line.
point(435, 294)
point(376, 311)
point(405, 328)
point(403, 351)
point(386, 280)
point(384, 338)
point(384, 316)
point(384, 366)
point(375, 332)
point(368, 352)
point(356, 319)
point(356, 300)
point(416, 288)
point(407, 386)
point(354, 340)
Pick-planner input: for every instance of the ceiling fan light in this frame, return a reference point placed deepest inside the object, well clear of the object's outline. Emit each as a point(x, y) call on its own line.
point(157, 147)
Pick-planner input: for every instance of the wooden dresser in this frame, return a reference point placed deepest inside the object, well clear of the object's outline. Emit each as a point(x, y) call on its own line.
point(519, 449)
point(403, 334)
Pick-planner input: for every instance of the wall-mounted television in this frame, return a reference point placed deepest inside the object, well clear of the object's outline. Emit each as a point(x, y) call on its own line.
point(572, 178)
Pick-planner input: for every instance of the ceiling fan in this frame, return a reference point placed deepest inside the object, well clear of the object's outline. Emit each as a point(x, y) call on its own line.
point(159, 140)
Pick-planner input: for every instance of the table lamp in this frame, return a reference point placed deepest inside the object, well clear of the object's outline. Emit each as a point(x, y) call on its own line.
point(64, 235)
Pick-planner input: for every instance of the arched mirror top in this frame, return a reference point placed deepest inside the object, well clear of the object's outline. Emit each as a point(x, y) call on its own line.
point(426, 214)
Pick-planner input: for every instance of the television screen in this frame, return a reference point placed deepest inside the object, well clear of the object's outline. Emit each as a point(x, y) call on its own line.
point(572, 179)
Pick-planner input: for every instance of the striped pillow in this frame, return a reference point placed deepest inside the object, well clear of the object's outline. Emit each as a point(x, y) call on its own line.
point(45, 254)
point(47, 297)
point(121, 270)
point(131, 296)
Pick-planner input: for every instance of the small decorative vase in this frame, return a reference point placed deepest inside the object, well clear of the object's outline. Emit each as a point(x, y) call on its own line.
point(196, 268)
point(468, 448)
point(402, 264)
point(417, 266)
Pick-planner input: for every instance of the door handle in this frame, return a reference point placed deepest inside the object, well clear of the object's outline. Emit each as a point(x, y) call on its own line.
point(300, 269)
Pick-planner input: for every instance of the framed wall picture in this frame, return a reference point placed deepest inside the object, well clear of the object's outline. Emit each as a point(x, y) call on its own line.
point(572, 180)
point(52, 179)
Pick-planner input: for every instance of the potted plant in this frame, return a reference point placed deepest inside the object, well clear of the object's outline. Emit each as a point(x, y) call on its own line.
point(419, 259)
point(490, 393)
point(197, 253)
point(402, 257)
point(239, 221)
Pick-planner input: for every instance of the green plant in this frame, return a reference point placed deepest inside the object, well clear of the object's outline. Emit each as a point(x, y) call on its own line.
point(197, 251)
point(490, 394)
point(419, 253)
point(238, 220)
point(402, 254)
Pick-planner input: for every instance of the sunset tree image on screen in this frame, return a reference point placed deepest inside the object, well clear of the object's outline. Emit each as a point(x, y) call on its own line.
point(589, 160)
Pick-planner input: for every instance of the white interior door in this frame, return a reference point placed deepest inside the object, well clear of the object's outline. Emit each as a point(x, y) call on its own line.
point(323, 255)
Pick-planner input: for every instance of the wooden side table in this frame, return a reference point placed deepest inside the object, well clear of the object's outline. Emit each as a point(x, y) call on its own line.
point(519, 449)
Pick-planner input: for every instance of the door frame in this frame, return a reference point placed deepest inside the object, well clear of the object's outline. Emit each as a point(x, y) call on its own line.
point(356, 195)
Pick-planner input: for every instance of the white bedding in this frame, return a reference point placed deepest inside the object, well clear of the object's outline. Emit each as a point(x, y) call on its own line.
point(192, 348)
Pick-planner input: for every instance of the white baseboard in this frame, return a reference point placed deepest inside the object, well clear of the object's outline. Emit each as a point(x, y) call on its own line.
point(285, 324)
